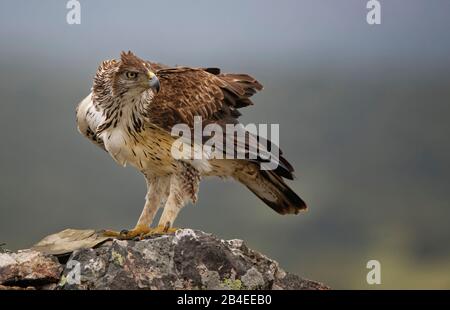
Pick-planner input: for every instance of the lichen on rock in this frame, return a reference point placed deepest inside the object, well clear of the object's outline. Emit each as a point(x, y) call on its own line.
point(189, 259)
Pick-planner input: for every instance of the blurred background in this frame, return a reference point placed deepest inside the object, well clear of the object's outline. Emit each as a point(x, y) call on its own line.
point(363, 112)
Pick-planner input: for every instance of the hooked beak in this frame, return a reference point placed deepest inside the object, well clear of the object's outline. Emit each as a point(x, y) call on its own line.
point(153, 82)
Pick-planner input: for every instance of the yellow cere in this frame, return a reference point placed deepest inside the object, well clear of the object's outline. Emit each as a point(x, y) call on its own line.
point(150, 74)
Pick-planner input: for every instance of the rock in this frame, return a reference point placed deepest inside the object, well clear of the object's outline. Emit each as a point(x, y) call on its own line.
point(16, 288)
point(28, 268)
point(188, 259)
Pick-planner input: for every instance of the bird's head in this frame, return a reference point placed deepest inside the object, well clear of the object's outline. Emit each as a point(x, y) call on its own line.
point(134, 76)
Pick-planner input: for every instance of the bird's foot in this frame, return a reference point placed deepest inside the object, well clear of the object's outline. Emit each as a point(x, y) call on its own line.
point(161, 230)
point(136, 233)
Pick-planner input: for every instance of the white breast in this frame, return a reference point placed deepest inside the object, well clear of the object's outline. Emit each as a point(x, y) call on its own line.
point(117, 140)
point(117, 144)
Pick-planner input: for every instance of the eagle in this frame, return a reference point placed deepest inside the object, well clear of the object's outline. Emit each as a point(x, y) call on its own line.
point(133, 106)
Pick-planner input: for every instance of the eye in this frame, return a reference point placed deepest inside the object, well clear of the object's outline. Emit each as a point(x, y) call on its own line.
point(131, 74)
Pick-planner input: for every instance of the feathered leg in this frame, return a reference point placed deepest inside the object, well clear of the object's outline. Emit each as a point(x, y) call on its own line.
point(157, 192)
point(183, 188)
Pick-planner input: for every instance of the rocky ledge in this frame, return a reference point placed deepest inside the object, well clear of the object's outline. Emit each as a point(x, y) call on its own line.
point(188, 259)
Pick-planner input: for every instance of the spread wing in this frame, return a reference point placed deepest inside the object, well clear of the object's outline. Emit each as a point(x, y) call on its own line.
point(189, 92)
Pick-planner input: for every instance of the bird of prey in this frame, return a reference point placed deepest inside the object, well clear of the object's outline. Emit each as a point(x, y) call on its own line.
point(130, 112)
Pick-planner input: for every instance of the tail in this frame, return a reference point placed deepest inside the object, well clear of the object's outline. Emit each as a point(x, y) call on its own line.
point(268, 185)
point(270, 188)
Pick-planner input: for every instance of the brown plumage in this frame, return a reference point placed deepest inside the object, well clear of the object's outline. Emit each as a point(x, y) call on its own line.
point(188, 92)
point(133, 108)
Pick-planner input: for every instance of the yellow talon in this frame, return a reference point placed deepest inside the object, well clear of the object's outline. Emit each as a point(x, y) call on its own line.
point(161, 230)
point(138, 231)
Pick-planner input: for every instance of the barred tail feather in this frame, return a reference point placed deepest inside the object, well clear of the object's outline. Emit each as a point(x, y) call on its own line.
point(270, 188)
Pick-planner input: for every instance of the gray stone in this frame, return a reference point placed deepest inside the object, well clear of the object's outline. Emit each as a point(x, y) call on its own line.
point(28, 268)
point(188, 259)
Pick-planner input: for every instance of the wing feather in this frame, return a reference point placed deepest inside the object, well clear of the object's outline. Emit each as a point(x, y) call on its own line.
point(189, 92)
